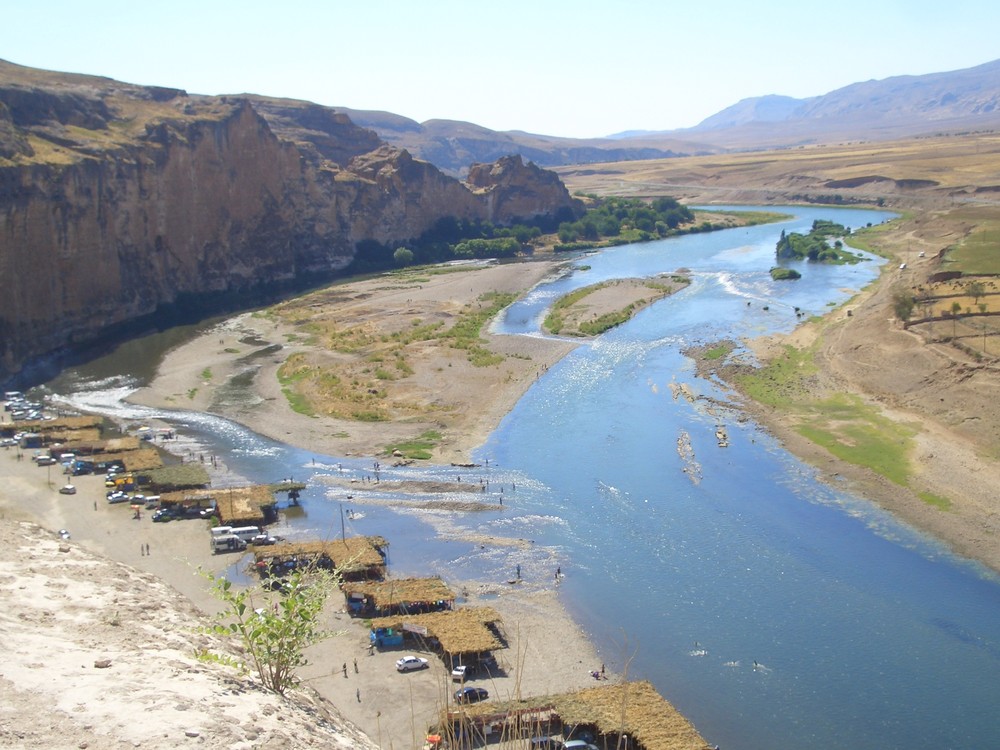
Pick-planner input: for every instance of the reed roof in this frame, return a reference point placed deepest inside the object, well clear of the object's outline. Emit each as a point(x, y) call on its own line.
point(179, 475)
point(398, 591)
point(648, 718)
point(353, 554)
point(62, 423)
point(242, 504)
point(459, 631)
point(133, 460)
point(87, 440)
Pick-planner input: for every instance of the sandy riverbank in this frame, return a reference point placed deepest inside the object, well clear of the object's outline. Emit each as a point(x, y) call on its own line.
point(445, 392)
point(547, 651)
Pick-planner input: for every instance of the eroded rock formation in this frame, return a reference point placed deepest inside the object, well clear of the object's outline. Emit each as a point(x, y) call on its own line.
point(116, 200)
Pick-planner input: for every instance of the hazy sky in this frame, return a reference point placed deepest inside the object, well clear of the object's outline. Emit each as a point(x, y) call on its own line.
point(576, 68)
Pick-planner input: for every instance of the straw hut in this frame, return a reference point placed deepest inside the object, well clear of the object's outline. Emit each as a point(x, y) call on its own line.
point(462, 636)
point(89, 442)
point(354, 558)
point(246, 506)
point(184, 499)
point(131, 460)
point(61, 425)
point(397, 596)
point(176, 477)
point(630, 712)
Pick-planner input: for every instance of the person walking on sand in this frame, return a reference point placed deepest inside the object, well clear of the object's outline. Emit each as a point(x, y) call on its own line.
point(357, 694)
point(355, 665)
point(345, 670)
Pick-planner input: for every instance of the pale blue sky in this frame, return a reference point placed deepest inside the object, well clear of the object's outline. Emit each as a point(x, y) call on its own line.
point(578, 68)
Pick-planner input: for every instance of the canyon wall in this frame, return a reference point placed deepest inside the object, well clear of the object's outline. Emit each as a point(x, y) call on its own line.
point(117, 200)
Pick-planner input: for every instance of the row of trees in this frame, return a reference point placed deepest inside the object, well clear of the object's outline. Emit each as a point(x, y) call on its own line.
point(615, 216)
point(452, 238)
point(904, 302)
point(628, 219)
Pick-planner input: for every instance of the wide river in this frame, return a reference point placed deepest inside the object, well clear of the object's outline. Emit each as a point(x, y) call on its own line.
point(773, 610)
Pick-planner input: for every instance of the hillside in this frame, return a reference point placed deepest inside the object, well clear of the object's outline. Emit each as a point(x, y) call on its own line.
point(453, 145)
point(896, 107)
point(124, 206)
point(100, 655)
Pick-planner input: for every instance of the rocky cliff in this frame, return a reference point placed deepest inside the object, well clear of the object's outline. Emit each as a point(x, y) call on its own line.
point(117, 200)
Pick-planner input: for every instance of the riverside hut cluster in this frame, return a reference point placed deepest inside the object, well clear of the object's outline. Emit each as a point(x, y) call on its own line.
point(408, 615)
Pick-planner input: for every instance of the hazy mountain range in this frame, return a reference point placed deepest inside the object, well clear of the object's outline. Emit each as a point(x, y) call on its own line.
point(894, 107)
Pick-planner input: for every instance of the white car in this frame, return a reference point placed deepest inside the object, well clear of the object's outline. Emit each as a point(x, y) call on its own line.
point(410, 663)
point(67, 489)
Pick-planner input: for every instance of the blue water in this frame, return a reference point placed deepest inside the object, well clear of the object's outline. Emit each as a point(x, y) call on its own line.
point(771, 609)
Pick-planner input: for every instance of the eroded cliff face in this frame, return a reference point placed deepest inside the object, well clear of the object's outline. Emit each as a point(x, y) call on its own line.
point(115, 200)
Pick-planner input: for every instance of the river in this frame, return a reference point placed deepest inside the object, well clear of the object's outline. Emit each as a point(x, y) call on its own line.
point(773, 610)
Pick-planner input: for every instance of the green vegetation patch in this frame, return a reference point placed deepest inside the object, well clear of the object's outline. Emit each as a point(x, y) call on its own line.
point(936, 500)
point(859, 434)
point(816, 245)
point(848, 428)
point(420, 447)
point(785, 274)
point(977, 253)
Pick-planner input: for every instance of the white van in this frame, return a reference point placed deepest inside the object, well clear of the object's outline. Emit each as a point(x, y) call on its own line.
point(227, 543)
point(221, 531)
point(246, 533)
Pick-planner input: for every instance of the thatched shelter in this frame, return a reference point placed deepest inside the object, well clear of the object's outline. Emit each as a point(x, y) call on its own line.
point(632, 711)
point(88, 442)
point(246, 506)
point(143, 459)
point(398, 596)
point(354, 558)
point(177, 477)
point(63, 424)
point(193, 498)
point(459, 634)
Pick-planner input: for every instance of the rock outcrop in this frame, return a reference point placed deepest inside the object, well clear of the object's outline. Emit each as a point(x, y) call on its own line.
point(117, 201)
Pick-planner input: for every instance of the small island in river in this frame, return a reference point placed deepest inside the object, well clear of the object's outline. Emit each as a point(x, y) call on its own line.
point(594, 309)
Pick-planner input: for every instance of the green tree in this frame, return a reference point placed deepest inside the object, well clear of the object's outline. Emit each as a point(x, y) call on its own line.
point(403, 256)
point(956, 308)
point(273, 629)
point(902, 305)
point(975, 289)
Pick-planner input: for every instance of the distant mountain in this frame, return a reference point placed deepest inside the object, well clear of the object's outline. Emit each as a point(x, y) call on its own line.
point(452, 145)
point(894, 107)
point(770, 108)
point(872, 110)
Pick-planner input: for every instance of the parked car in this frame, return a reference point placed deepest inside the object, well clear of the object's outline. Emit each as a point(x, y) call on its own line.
point(461, 672)
point(411, 663)
point(67, 489)
point(45, 460)
point(545, 743)
point(471, 695)
point(118, 497)
point(263, 540)
point(163, 515)
point(579, 745)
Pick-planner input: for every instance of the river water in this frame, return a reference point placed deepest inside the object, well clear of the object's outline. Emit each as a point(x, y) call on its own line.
point(773, 610)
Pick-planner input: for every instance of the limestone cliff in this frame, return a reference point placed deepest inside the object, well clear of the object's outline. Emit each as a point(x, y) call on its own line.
point(116, 200)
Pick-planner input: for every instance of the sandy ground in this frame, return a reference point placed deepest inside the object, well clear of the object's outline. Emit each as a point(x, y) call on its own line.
point(462, 402)
point(48, 671)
